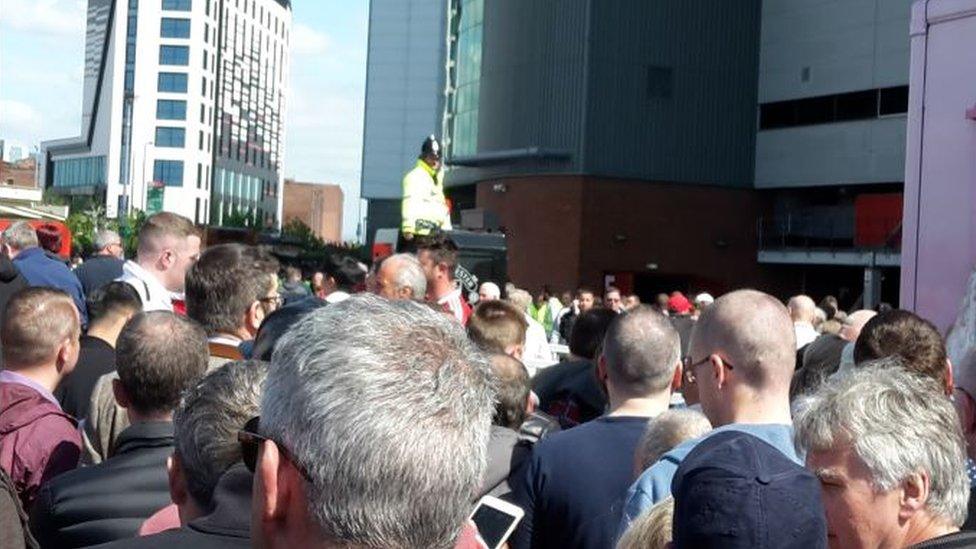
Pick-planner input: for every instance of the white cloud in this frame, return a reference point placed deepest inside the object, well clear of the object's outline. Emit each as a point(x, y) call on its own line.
point(53, 17)
point(308, 41)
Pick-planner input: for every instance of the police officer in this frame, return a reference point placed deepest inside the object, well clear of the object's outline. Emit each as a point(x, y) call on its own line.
point(424, 207)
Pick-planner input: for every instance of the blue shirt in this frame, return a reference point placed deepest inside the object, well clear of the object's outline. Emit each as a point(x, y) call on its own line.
point(571, 487)
point(40, 270)
point(654, 484)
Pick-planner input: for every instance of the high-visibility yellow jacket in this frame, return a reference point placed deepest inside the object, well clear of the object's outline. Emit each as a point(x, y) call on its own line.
point(424, 206)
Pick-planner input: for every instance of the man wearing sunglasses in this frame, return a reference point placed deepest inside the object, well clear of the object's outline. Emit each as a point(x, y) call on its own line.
point(373, 430)
point(741, 360)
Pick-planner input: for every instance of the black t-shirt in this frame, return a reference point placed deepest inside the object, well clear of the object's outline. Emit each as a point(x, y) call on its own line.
point(570, 392)
point(95, 359)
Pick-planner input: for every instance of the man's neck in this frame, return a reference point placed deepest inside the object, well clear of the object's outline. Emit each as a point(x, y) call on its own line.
point(241, 334)
point(107, 330)
point(646, 406)
point(926, 527)
point(136, 417)
point(442, 288)
point(756, 409)
point(46, 376)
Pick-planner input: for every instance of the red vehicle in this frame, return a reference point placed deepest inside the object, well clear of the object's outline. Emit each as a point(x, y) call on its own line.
point(55, 230)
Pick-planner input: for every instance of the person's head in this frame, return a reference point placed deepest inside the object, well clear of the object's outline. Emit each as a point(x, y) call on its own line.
point(438, 255)
point(964, 398)
point(542, 297)
point(318, 280)
point(169, 245)
point(18, 237)
point(802, 309)
point(512, 388)
point(738, 491)
point(661, 302)
point(666, 431)
point(110, 307)
point(678, 304)
point(430, 152)
point(231, 289)
point(401, 276)
point(889, 454)
point(498, 327)
point(49, 238)
point(703, 300)
point(630, 301)
point(586, 299)
point(293, 274)
point(39, 334)
point(854, 323)
point(641, 356)
point(343, 273)
point(205, 427)
point(520, 299)
point(741, 358)
point(375, 419)
point(489, 291)
point(651, 530)
point(108, 242)
point(820, 360)
point(278, 323)
point(612, 299)
point(588, 332)
point(159, 354)
point(914, 340)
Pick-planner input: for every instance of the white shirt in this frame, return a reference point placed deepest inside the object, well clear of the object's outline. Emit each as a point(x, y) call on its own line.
point(536, 353)
point(805, 334)
point(336, 297)
point(452, 300)
point(155, 296)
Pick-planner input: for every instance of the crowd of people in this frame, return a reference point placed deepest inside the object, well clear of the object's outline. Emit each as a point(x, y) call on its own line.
point(211, 397)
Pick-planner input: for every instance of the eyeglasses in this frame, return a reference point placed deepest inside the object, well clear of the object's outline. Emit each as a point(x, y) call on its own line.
point(688, 367)
point(275, 300)
point(251, 441)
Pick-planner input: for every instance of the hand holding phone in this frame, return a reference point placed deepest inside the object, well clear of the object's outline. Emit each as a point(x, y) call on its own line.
point(496, 520)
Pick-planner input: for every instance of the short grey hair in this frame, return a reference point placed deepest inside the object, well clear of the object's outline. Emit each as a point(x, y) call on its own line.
point(105, 238)
point(521, 299)
point(642, 350)
point(387, 406)
point(409, 274)
point(208, 418)
point(666, 431)
point(898, 423)
point(20, 235)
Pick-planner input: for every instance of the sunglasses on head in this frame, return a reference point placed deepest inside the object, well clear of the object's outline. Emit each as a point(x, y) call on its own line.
point(251, 441)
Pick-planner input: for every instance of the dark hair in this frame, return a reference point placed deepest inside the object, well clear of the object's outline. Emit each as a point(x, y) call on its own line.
point(346, 271)
point(441, 249)
point(223, 284)
point(511, 391)
point(830, 306)
point(584, 290)
point(278, 322)
point(908, 336)
point(588, 332)
point(815, 363)
point(114, 298)
point(494, 325)
point(159, 355)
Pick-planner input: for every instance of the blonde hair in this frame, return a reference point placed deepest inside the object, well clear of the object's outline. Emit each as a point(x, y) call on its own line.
point(651, 530)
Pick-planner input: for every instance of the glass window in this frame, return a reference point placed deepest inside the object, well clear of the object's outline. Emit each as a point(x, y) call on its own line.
point(168, 172)
point(170, 137)
point(172, 82)
point(168, 109)
point(178, 5)
point(170, 27)
point(174, 55)
point(894, 100)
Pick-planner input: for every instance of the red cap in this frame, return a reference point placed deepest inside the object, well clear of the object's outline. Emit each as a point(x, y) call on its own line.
point(678, 303)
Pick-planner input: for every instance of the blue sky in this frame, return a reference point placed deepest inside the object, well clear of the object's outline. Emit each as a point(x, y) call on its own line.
point(42, 46)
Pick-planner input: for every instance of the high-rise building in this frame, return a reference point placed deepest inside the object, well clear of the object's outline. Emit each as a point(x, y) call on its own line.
point(404, 98)
point(183, 110)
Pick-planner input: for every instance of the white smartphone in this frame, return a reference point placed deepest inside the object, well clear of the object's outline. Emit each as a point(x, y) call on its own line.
point(496, 520)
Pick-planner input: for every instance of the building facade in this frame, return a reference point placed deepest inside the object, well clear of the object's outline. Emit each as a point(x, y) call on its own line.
point(405, 78)
point(317, 205)
point(183, 98)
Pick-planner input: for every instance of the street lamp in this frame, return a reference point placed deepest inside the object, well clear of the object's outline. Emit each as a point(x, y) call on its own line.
point(145, 158)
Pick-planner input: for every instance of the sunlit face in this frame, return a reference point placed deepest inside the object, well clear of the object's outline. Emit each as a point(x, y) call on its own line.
point(613, 301)
point(858, 515)
point(484, 295)
point(183, 254)
point(585, 301)
point(384, 281)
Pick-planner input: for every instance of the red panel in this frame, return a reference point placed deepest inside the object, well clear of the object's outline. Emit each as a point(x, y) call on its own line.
point(61, 227)
point(877, 219)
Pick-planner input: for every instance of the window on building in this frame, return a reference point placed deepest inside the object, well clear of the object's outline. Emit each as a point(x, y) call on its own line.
point(893, 100)
point(170, 27)
point(168, 172)
point(857, 105)
point(75, 172)
point(174, 55)
point(841, 107)
point(205, 59)
point(178, 5)
point(199, 176)
point(173, 82)
point(169, 109)
point(203, 90)
point(170, 137)
point(200, 146)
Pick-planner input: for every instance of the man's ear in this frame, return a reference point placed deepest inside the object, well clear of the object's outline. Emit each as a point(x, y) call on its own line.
point(718, 370)
point(119, 391)
point(601, 369)
point(254, 317)
point(914, 494)
point(516, 351)
point(950, 379)
point(677, 377)
point(273, 478)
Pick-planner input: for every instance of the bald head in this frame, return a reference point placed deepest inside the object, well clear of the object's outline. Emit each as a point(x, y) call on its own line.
point(36, 324)
point(401, 276)
point(855, 322)
point(751, 331)
point(641, 350)
point(802, 309)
